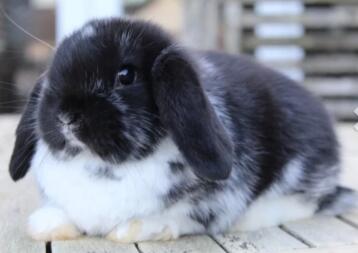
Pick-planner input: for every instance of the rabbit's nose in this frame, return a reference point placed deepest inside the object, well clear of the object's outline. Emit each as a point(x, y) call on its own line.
point(67, 119)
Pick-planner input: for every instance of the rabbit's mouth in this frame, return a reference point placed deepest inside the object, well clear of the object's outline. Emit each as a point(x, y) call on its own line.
point(72, 144)
point(68, 129)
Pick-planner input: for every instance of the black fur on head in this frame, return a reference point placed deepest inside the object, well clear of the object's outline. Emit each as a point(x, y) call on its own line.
point(114, 120)
point(117, 88)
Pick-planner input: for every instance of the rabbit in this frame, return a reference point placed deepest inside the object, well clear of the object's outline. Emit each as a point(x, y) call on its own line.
point(132, 137)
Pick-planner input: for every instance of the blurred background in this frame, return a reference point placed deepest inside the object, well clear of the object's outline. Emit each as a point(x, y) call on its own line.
point(312, 41)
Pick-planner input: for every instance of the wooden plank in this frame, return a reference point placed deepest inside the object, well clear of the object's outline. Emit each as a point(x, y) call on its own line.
point(351, 217)
point(331, 64)
point(321, 41)
point(201, 23)
point(324, 231)
point(7, 136)
point(264, 240)
point(342, 109)
point(232, 26)
point(211, 24)
point(193, 25)
point(94, 245)
point(349, 176)
point(309, 1)
point(321, 65)
point(333, 87)
point(17, 201)
point(349, 139)
point(282, 64)
point(342, 249)
point(193, 244)
point(331, 18)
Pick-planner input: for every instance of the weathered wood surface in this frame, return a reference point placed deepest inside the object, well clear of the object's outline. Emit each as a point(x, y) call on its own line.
point(331, 64)
point(305, 1)
point(318, 235)
point(232, 40)
point(269, 239)
point(333, 87)
point(201, 23)
point(336, 17)
point(324, 232)
point(351, 218)
point(342, 109)
point(194, 244)
point(323, 41)
point(323, 64)
point(16, 200)
point(94, 245)
point(343, 249)
point(15, 205)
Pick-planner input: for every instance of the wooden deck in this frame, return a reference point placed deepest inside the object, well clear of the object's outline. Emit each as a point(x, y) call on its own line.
point(318, 235)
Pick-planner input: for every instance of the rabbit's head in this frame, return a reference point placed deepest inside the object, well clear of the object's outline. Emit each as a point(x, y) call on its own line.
point(116, 88)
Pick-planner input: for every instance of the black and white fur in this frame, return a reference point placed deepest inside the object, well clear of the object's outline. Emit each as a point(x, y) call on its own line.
point(201, 142)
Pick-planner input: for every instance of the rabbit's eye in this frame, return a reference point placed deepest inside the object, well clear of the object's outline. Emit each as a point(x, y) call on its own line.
point(126, 75)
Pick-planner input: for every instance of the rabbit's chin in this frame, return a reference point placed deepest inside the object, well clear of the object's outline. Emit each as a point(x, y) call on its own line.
point(68, 152)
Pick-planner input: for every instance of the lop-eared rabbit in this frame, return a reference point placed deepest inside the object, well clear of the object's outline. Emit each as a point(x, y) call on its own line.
point(133, 137)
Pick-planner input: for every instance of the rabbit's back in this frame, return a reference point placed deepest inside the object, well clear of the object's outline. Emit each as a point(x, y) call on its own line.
point(272, 121)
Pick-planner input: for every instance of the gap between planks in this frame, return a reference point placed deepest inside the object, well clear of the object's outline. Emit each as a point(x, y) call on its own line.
point(264, 240)
point(296, 236)
point(324, 231)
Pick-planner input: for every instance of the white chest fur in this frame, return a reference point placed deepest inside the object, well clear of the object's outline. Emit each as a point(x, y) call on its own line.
point(97, 196)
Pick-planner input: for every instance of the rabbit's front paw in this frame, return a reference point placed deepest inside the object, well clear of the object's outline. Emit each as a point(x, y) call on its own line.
point(50, 223)
point(141, 230)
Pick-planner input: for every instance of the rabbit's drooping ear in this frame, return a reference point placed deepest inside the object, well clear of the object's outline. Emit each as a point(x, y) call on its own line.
point(189, 117)
point(26, 137)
